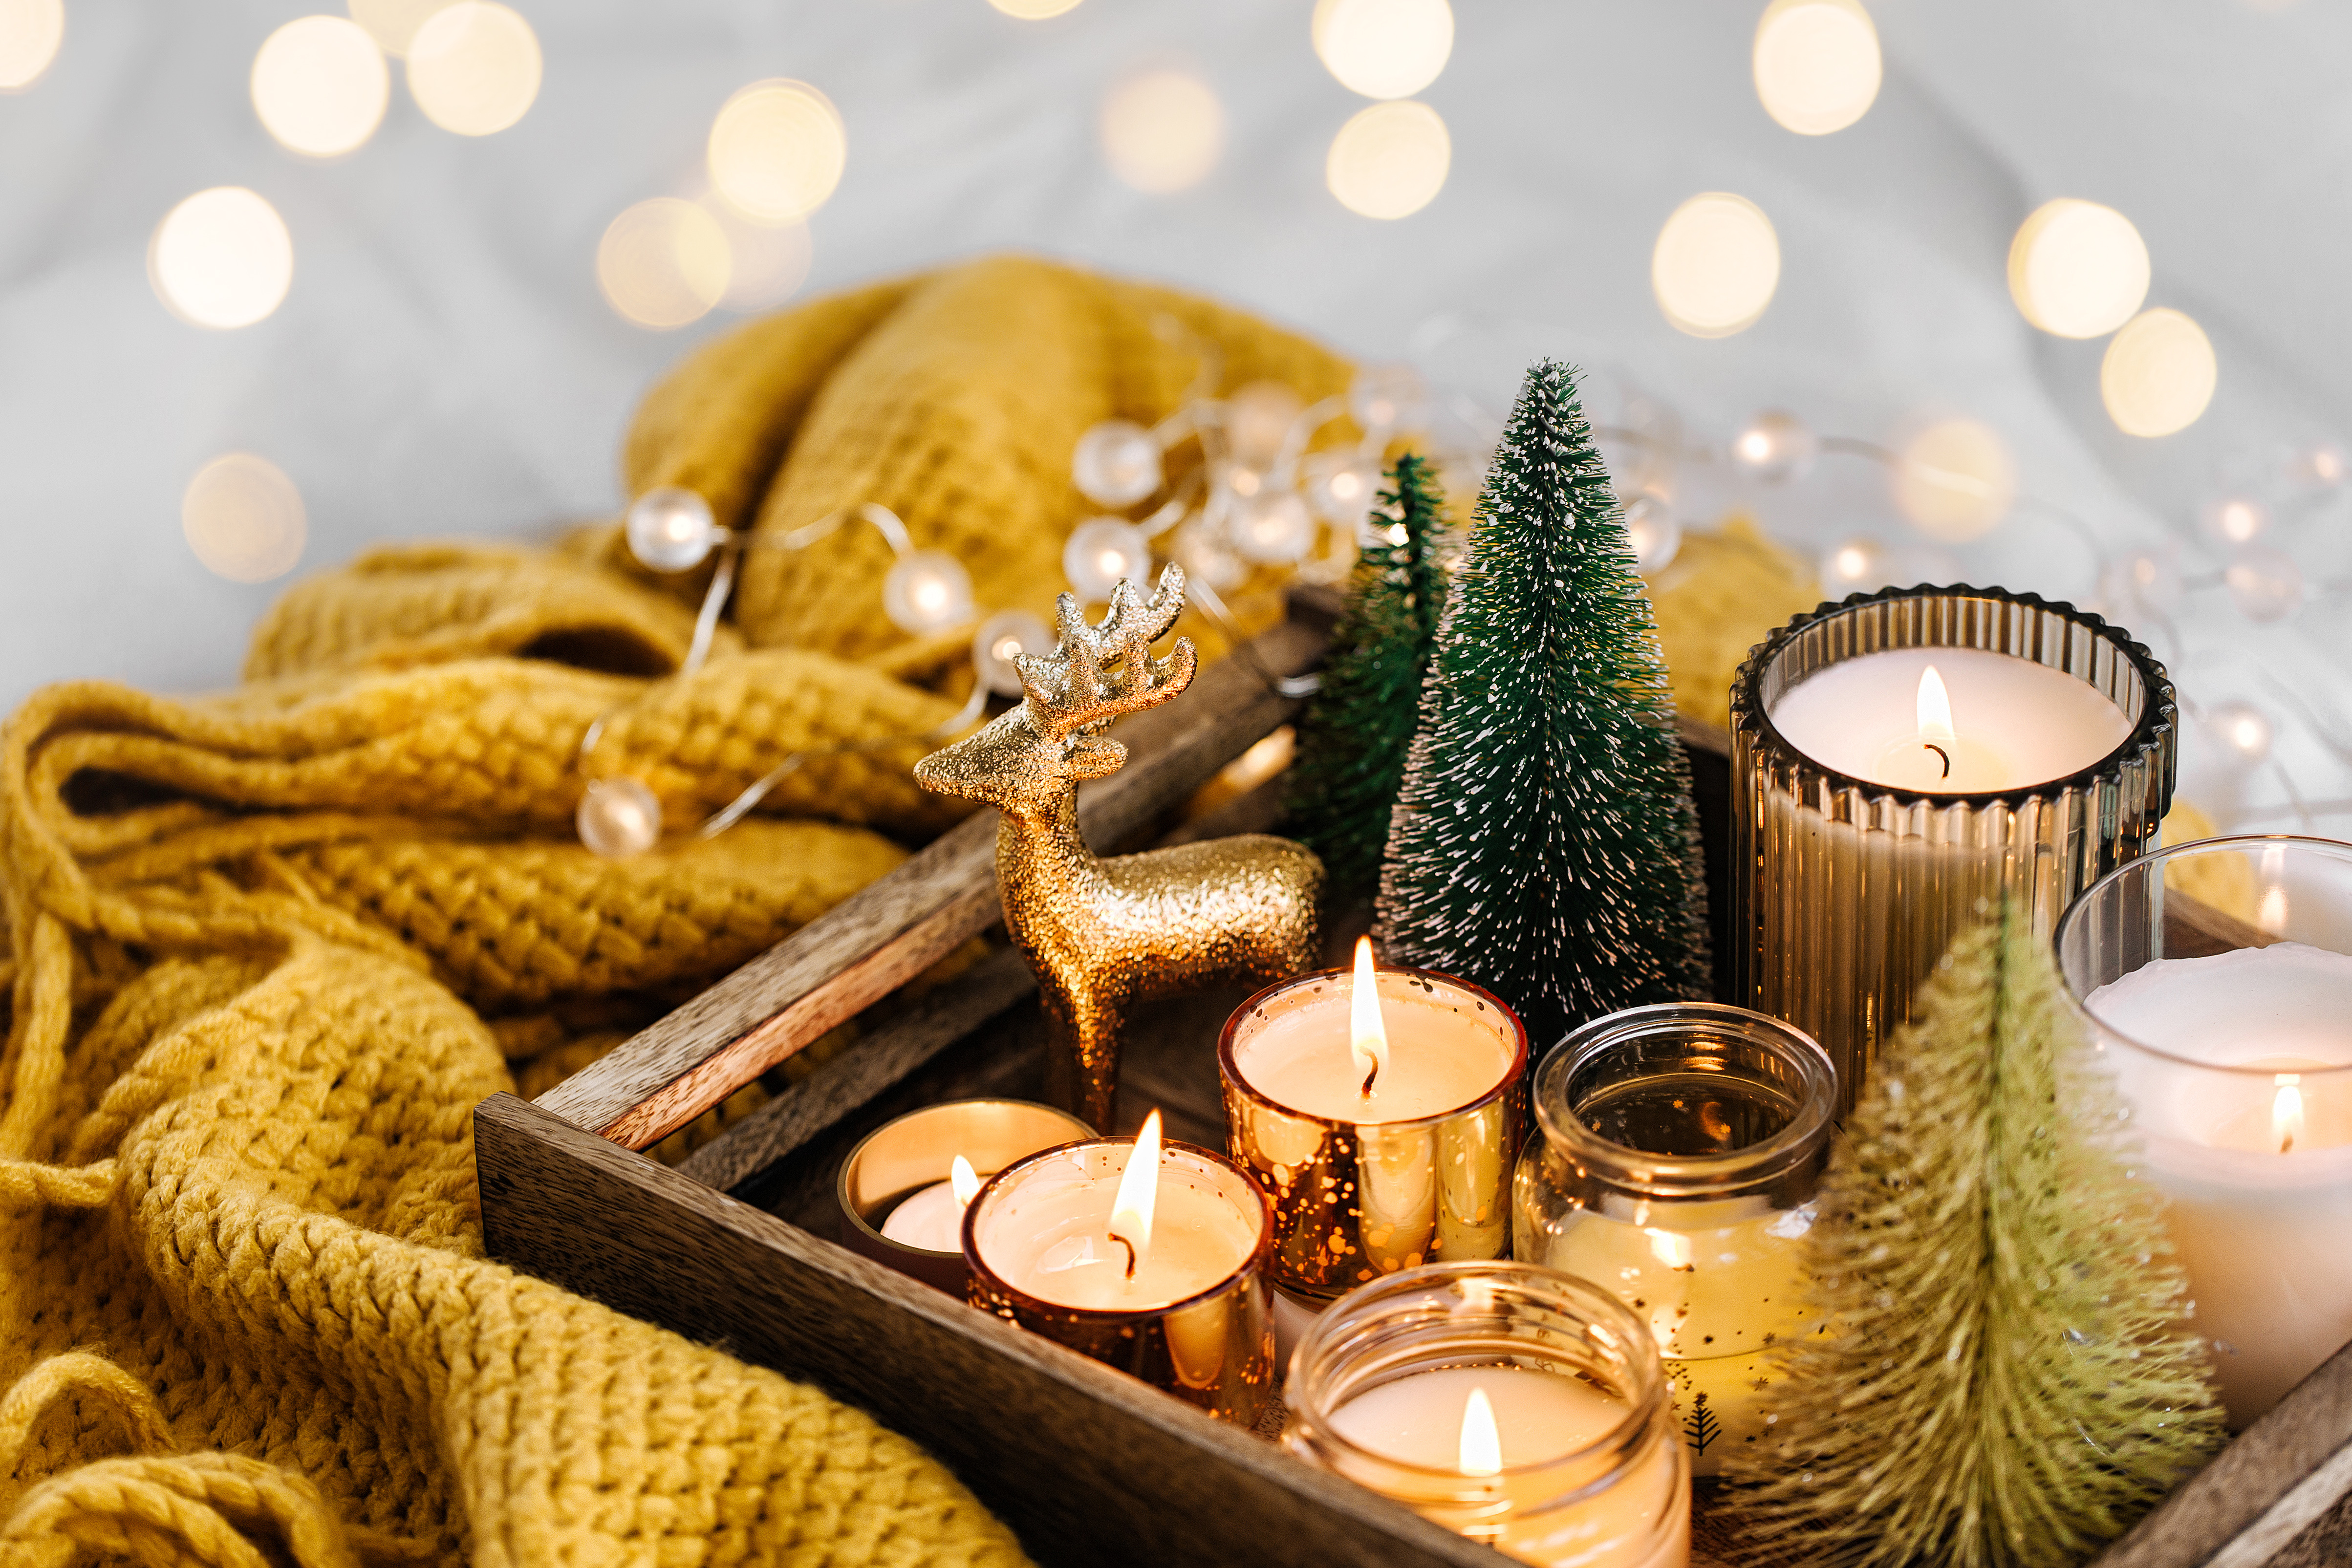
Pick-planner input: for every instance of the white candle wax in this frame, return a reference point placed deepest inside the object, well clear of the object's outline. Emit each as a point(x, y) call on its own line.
point(2015, 723)
point(1443, 1054)
point(2255, 1163)
point(932, 1219)
point(1641, 1521)
point(1051, 1239)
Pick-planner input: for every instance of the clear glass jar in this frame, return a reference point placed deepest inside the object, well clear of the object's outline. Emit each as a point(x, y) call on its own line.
point(2214, 983)
point(1583, 1466)
point(1681, 1146)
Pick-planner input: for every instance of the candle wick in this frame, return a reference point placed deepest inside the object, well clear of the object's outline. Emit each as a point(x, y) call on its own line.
point(1375, 1072)
point(1123, 1241)
point(1942, 753)
point(2286, 1141)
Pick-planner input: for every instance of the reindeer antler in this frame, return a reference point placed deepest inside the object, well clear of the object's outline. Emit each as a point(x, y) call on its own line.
point(1071, 690)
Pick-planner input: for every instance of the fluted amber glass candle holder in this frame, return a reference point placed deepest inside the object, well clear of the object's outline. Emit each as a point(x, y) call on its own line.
point(1212, 1347)
point(1846, 892)
point(1353, 1201)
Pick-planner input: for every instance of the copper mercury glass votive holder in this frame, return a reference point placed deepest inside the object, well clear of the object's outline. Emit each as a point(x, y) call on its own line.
point(1845, 892)
point(903, 1156)
point(1212, 1349)
point(1353, 1202)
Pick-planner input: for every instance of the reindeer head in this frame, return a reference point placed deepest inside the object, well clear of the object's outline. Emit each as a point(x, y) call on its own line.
point(1027, 759)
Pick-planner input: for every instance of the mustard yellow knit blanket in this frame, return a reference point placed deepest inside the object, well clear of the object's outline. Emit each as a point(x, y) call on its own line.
point(268, 948)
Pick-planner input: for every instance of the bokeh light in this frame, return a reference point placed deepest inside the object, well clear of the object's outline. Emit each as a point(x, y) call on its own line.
point(243, 517)
point(222, 259)
point(30, 32)
point(1163, 130)
point(1715, 264)
point(393, 24)
point(320, 85)
point(2077, 270)
point(664, 263)
point(1384, 48)
point(1817, 64)
point(767, 263)
point(1033, 10)
point(2159, 373)
point(474, 68)
point(1955, 480)
point(1389, 160)
point(776, 151)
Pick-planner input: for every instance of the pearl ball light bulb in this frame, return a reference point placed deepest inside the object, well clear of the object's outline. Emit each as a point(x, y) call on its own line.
point(2264, 585)
point(1000, 638)
point(1342, 489)
point(2234, 521)
point(1383, 397)
point(1652, 532)
point(1776, 446)
point(1854, 565)
point(1274, 527)
point(1116, 464)
point(2243, 730)
point(619, 818)
point(927, 591)
point(1103, 552)
point(671, 530)
point(1205, 558)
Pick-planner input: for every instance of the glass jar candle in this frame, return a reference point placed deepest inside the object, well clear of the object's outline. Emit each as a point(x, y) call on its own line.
point(1180, 1302)
point(898, 1192)
point(1511, 1404)
point(1901, 760)
point(2214, 983)
point(1416, 1171)
point(1681, 1145)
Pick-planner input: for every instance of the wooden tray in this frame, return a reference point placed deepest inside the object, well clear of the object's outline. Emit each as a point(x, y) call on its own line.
point(734, 1246)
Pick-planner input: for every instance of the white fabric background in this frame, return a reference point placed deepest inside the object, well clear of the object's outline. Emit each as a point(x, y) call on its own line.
point(444, 363)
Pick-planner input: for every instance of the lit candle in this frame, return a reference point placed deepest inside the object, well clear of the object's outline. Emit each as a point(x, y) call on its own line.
point(1513, 1404)
point(1145, 1255)
point(1901, 763)
point(2247, 1118)
point(1949, 721)
point(1384, 1109)
point(932, 1219)
point(902, 1190)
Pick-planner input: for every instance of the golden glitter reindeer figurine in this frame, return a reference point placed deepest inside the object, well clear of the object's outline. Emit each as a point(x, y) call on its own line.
point(1104, 935)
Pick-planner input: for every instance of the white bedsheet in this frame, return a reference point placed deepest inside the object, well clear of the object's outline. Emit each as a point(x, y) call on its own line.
point(444, 363)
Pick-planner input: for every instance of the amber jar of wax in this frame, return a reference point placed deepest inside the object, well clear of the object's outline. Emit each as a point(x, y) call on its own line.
point(1418, 1171)
point(1681, 1145)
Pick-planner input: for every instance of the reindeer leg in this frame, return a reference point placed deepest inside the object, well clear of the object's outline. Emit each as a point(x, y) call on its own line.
point(1082, 1056)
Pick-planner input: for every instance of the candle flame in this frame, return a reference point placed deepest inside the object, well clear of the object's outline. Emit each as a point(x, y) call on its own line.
point(2286, 1111)
point(1482, 1446)
point(1935, 717)
point(963, 1180)
point(1138, 1185)
point(1368, 1036)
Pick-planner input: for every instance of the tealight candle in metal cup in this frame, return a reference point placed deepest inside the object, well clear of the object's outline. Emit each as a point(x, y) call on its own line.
point(1680, 1149)
point(1354, 1199)
point(904, 1158)
point(1201, 1327)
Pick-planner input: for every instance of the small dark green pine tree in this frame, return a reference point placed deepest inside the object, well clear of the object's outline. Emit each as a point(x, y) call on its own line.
point(1353, 737)
point(1544, 844)
point(2004, 1380)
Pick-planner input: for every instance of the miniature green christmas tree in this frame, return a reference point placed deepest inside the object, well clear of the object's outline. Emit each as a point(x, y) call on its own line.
point(1544, 844)
point(1353, 736)
point(2005, 1380)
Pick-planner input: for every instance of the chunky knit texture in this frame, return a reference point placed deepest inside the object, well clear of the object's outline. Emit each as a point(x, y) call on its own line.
point(266, 949)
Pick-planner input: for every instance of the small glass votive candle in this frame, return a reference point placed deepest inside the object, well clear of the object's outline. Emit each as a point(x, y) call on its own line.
point(2214, 982)
point(1511, 1404)
point(1681, 1145)
point(1416, 1172)
point(896, 1190)
point(1192, 1315)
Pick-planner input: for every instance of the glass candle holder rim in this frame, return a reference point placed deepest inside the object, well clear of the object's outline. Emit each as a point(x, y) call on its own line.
point(1228, 1064)
point(849, 1209)
point(1690, 1176)
point(2159, 717)
point(1646, 1406)
point(2156, 861)
point(1253, 1263)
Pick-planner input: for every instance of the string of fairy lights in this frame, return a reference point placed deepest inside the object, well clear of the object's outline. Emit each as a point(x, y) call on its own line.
point(777, 151)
